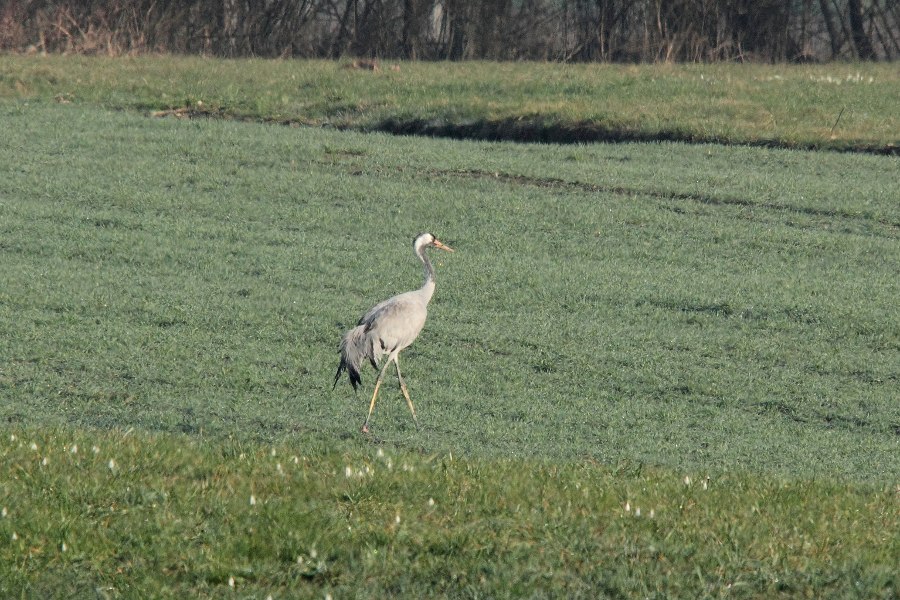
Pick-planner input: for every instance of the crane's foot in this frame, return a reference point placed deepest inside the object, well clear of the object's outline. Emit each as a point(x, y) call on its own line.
point(365, 428)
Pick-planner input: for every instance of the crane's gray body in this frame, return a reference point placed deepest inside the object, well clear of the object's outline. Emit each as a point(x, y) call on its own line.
point(387, 328)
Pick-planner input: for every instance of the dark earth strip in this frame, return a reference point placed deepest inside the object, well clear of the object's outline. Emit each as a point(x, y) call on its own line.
point(527, 130)
point(532, 131)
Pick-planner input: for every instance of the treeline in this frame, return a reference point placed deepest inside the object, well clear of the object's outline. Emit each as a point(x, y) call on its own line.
point(553, 30)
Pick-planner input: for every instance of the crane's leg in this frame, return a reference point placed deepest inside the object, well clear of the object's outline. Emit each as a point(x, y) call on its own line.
point(405, 391)
point(365, 427)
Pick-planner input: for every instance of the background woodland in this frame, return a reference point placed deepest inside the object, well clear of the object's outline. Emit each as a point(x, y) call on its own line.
point(544, 30)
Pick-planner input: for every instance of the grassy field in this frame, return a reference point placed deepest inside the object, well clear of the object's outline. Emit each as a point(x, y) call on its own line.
point(840, 106)
point(704, 333)
point(99, 514)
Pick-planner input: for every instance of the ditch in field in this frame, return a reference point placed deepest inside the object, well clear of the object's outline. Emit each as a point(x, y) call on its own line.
point(525, 130)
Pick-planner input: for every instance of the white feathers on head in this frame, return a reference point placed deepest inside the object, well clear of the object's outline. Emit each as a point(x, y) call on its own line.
point(422, 240)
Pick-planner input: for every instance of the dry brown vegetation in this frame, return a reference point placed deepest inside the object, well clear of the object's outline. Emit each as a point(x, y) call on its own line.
point(556, 30)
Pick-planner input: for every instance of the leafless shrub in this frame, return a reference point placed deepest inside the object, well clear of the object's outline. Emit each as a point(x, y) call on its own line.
point(559, 30)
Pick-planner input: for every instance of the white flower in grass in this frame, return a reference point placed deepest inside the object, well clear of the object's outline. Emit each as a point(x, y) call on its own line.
point(3, 512)
point(348, 471)
point(431, 502)
point(397, 519)
point(687, 480)
point(380, 453)
point(111, 464)
point(652, 513)
point(273, 452)
point(14, 536)
point(637, 511)
point(12, 437)
point(45, 461)
point(278, 469)
point(627, 506)
point(34, 446)
point(63, 547)
point(252, 500)
point(296, 460)
point(74, 449)
point(231, 582)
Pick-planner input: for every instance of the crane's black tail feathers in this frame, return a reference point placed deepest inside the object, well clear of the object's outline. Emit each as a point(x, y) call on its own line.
point(352, 372)
point(353, 351)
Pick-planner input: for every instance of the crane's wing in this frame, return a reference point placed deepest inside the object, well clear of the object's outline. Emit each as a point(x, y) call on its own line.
point(395, 323)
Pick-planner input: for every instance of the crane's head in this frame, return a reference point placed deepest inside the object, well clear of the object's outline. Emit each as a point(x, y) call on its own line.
point(424, 240)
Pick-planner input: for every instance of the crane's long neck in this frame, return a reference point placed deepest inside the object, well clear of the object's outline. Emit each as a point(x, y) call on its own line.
point(427, 288)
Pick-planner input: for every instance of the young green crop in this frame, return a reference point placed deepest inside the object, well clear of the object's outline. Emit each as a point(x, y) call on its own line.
point(130, 514)
point(693, 306)
point(649, 370)
point(837, 105)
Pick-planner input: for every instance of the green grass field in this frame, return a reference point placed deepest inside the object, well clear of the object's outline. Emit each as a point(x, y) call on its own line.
point(837, 106)
point(709, 334)
point(100, 514)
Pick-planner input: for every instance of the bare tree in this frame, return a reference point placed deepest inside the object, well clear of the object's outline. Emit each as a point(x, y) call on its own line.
point(568, 30)
point(861, 38)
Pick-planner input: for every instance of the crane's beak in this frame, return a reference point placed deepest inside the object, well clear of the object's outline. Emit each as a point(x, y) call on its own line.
point(438, 244)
